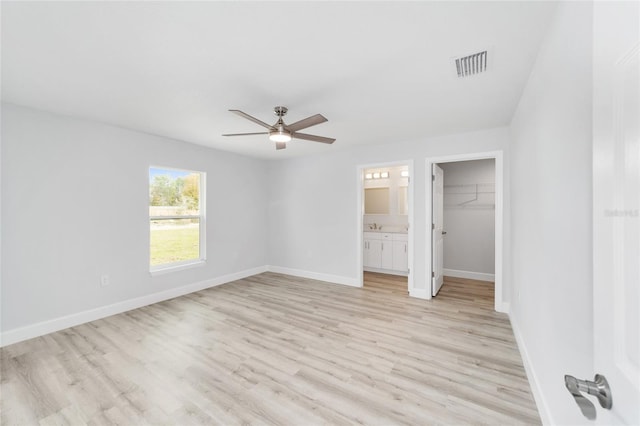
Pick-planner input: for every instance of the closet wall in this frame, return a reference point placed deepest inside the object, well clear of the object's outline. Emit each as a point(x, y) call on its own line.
point(469, 219)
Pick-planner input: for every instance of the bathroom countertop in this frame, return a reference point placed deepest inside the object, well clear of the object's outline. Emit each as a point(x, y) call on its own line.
point(389, 230)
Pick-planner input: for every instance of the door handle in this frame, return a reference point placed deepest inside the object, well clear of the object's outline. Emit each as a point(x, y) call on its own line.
point(444, 232)
point(598, 388)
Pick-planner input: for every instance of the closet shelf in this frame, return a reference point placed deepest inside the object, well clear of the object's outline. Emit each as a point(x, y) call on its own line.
point(470, 196)
point(469, 206)
point(470, 188)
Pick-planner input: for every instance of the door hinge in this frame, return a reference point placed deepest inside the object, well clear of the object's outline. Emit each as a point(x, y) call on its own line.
point(433, 178)
point(433, 274)
point(433, 226)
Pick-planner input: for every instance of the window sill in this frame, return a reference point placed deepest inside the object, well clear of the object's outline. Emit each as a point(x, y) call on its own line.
point(177, 267)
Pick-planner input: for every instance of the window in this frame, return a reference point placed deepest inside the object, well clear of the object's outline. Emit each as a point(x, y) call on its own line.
point(176, 218)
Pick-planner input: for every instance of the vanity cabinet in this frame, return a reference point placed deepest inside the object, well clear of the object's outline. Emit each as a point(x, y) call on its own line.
point(386, 255)
point(372, 253)
point(385, 251)
point(400, 252)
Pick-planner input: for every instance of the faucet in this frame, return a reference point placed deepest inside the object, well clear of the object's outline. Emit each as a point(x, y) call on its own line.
point(374, 226)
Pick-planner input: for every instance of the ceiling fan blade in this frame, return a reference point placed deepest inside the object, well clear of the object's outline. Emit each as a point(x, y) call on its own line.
point(255, 120)
point(313, 138)
point(281, 145)
point(307, 122)
point(245, 134)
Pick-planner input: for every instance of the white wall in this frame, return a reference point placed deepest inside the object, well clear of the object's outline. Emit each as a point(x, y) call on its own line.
point(469, 245)
point(551, 243)
point(313, 204)
point(75, 206)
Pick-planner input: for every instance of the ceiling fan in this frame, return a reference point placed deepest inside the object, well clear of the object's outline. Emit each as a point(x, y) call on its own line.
point(281, 133)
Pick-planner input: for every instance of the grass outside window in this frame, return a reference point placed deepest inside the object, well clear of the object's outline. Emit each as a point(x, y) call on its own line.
point(173, 242)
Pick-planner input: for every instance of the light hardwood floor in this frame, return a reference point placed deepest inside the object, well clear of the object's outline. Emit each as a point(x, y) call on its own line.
point(274, 349)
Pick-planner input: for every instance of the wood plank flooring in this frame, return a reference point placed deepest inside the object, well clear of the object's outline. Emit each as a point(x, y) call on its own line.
point(275, 349)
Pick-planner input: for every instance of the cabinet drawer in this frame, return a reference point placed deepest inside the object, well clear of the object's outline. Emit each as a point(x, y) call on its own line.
point(400, 237)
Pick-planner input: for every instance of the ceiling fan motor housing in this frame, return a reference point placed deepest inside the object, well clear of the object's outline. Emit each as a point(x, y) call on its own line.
point(280, 111)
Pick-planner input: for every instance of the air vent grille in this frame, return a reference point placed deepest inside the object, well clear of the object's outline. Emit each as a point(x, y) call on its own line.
point(472, 64)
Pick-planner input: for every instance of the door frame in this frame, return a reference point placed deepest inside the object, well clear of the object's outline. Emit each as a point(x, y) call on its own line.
point(500, 304)
point(360, 213)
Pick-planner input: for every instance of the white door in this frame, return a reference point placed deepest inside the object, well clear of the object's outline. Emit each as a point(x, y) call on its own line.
point(373, 253)
point(366, 254)
point(616, 201)
point(437, 262)
point(400, 256)
point(387, 255)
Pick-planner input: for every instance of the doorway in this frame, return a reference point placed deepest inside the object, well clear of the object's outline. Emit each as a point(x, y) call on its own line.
point(464, 219)
point(492, 198)
point(384, 218)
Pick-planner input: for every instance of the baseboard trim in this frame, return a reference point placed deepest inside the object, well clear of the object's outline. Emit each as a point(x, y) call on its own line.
point(503, 307)
point(419, 293)
point(335, 279)
point(386, 271)
point(538, 396)
point(469, 275)
point(45, 327)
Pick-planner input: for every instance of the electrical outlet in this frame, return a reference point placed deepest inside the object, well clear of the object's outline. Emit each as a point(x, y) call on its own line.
point(104, 280)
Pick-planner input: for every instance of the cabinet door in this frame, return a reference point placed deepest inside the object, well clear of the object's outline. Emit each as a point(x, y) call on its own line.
point(372, 253)
point(386, 249)
point(366, 254)
point(400, 256)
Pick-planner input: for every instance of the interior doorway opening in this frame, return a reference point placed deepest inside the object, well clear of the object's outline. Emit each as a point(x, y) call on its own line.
point(474, 198)
point(464, 218)
point(385, 214)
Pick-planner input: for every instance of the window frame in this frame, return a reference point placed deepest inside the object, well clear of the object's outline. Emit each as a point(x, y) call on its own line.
point(202, 228)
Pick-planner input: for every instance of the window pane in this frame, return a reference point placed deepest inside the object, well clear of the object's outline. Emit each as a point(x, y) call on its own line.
point(175, 217)
point(174, 240)
point(174, 192)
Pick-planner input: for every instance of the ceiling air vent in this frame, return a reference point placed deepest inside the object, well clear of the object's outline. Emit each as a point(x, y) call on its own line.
point(471, 64)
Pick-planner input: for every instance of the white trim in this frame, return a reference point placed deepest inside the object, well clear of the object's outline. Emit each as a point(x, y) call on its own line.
point(534, 383)
point(177, 267)
point(504, 307)
point(34, 330)
point(335, 279)
point(386, 271)
point(360, 226)
point(499, 303)
point(481, 276)
point(420, 293)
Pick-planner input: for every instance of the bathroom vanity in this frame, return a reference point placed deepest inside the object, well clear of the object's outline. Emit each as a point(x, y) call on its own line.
point(386, 252)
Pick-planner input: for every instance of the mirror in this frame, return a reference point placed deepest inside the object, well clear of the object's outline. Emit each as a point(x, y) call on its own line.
point(403, 201)
point(376, 201)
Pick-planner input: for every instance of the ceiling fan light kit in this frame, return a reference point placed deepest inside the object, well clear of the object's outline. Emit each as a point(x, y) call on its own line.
point(280, 133)
point(280, 136)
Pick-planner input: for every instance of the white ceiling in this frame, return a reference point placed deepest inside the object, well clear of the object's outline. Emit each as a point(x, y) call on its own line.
point(380, 72)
